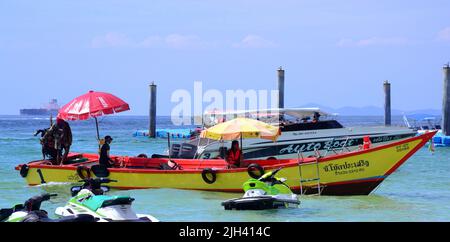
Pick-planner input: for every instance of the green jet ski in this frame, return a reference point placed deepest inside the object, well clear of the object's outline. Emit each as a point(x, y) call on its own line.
point(30, 211)
point(267, 192)
point(90, 199)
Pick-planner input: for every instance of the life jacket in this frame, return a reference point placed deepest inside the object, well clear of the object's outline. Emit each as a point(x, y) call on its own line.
point(234, 157)
point(366, 142)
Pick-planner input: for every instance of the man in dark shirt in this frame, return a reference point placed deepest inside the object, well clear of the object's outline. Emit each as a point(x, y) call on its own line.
point(66, 137)
point(104, 153)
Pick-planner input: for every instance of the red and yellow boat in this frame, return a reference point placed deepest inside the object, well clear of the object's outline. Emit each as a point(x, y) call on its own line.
point(352, 173)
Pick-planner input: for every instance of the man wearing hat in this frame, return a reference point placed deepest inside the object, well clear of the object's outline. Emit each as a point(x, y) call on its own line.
point(104, 153)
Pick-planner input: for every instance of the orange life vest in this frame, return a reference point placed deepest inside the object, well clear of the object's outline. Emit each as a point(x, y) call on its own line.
point(366, 142)
point(234, 158)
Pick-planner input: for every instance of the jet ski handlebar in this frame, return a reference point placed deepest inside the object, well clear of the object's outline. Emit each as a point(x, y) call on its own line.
point(34, 203)
point(276, 171)
point(94, 185)
point(270, 175)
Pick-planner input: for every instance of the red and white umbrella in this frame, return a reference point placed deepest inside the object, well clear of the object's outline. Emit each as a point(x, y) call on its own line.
point(92, 105)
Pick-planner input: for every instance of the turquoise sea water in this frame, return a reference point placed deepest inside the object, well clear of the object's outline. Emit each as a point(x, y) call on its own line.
point(418, 191)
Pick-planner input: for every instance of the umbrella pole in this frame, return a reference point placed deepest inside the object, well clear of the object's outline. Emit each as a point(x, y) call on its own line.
point(242, 150)
point(168, 143)
point(96, 125)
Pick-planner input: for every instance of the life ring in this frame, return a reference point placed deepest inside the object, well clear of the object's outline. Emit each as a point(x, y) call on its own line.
point(24, 170)
point(252, 168)
point(209, 175)
point(83, 172)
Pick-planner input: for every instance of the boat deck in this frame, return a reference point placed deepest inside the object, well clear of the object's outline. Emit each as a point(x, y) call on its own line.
point(126, 162)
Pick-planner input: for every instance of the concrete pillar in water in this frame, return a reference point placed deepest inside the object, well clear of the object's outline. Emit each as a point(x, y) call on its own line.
point(387, 103)
point(446, 102)
point(152, 111)
point(280, 87)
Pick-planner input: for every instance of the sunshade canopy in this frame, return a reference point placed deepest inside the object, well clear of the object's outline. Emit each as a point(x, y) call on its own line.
point(92, 104)
point(241, 128)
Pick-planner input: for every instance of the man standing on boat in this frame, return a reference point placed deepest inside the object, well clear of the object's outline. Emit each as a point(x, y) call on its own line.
point(234, 155)
point(65, 140)
point(104, 159)
point(48, 145)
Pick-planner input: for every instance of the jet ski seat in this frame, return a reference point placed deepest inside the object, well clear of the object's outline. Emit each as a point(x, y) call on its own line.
point(102, 201)
point(5, 213)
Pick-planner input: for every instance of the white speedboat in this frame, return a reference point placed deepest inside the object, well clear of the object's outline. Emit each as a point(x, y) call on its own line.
point(428, 123)
point(422, 122)
point(304, 132)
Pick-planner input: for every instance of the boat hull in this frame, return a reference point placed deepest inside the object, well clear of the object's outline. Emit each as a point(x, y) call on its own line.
point(352, 173)
point(259, 203)
point(291, 143)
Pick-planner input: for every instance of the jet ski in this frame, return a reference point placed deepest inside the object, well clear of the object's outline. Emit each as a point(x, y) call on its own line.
point(30, 211)
point(89, 199)
point(267, 192)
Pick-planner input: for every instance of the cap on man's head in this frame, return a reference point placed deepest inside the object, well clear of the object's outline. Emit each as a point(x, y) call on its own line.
point(108, 137)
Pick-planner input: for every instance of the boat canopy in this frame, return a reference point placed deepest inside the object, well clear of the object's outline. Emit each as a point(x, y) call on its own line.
point(212, 117)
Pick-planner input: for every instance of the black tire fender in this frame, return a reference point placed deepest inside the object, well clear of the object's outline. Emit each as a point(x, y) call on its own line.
point(100, 170)
point(251, 170)
point(209, 172)
point(81, 169)
point(142, 156)
point(24, 170)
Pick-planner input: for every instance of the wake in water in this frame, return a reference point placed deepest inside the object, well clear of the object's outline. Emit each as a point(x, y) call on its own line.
point(54, 184)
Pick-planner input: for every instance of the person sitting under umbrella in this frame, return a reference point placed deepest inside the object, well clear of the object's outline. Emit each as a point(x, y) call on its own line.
point(104, 159)
point(234, 155)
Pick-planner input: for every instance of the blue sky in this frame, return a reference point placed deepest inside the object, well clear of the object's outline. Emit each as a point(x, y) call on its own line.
point(335, 53)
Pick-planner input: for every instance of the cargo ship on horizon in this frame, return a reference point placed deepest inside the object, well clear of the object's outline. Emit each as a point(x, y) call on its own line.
point(50, 109)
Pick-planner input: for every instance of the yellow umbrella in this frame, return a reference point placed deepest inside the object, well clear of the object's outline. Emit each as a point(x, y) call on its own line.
point(241, 128)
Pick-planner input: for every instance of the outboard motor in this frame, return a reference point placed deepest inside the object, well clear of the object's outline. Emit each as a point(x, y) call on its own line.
point(175, 150)
point(187, 151)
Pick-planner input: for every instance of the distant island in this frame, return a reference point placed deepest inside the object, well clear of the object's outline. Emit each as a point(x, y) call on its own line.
point(371, 110)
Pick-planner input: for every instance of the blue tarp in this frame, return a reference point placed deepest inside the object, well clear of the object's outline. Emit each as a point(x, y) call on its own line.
point(163, 133)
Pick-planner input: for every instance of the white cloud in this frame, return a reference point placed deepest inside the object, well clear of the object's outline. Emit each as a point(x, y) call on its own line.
point(254, 41)
point(151, 41)
point(374, 41)
point(179, 41)
point(444, 34)
point(175, 41)
point(111, 39)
